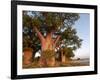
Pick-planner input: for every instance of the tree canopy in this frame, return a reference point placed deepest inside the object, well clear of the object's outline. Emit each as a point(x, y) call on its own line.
point(47, 22)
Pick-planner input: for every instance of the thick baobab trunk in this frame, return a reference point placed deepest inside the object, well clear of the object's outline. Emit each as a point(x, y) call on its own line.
point(27, 56)
point(64, 59)
point(47, 44)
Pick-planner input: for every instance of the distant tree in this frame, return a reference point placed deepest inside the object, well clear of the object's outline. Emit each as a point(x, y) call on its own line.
point(69, 41)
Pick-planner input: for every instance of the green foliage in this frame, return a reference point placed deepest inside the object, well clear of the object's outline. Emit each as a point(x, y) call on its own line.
point(48, 54)
point(36, 22)
point(30, 39)
point(70, 38)
point(49, 20)
point(27, 21)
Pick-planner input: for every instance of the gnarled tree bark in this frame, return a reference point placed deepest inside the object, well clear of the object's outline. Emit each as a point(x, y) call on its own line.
point(47, 44)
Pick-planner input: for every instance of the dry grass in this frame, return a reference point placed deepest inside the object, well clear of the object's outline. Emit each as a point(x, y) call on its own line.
point(71, 63)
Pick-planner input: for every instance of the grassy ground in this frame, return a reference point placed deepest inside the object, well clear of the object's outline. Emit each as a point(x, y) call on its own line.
point(83, 62)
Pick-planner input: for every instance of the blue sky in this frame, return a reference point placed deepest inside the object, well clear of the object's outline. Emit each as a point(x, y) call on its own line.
point(83, 31)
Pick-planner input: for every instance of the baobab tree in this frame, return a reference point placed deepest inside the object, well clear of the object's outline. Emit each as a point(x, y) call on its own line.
point(49, 29)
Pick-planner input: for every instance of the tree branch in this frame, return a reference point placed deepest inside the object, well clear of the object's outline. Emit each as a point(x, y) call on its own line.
point(57, 39)
point(41, 37)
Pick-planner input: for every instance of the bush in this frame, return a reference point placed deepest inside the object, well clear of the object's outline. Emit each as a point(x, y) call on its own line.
point(48, 54)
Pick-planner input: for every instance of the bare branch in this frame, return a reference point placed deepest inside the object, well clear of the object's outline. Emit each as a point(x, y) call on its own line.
point(57, 39)
point(41, 37)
